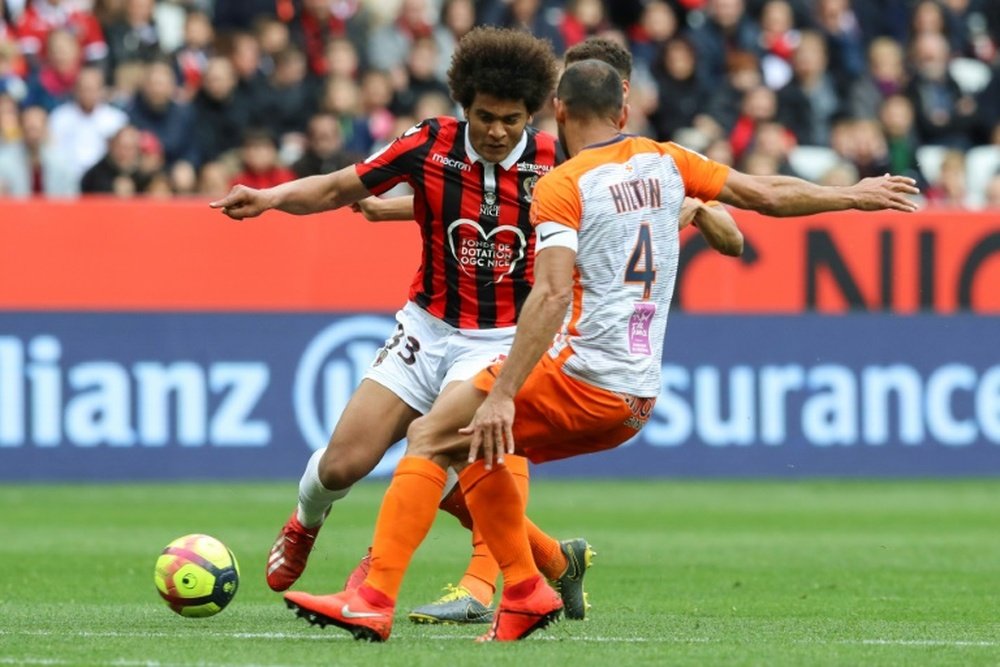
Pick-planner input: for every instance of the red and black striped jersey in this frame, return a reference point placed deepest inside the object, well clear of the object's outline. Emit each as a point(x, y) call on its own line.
point(478, 244)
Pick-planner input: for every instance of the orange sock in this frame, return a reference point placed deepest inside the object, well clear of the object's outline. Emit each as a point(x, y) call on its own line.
point(545, 551)
point(407, 512)
point(497, 509)
point(481, 574)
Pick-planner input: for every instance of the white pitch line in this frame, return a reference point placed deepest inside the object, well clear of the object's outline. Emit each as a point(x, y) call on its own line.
point(338, 636)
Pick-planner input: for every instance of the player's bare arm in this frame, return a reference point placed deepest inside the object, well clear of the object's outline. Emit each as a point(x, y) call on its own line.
point(302, 196)
point(389, 209)
point(541, 316)
point(789, 196)
point(716, 224)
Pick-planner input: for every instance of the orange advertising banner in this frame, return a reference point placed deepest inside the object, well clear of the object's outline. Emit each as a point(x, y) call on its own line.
point(107, 255)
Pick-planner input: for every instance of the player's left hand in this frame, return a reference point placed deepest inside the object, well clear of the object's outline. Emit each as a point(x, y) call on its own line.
point(886, 192)
point(492, 430)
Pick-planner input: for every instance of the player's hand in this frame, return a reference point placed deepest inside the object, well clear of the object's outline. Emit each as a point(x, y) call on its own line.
point(886, 192)
point(368, 207)
point(242, 202)
point(689, 209)
point(492, 430)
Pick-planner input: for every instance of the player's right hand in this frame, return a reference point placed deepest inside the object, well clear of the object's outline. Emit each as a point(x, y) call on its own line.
point(242, 202)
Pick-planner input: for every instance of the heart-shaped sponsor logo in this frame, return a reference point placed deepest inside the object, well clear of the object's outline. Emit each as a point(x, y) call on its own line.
point(484, 250)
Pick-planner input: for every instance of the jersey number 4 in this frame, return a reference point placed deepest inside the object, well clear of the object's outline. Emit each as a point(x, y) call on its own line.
point(640, 264)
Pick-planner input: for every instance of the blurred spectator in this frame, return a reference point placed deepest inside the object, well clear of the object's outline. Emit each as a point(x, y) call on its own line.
point(778, 41)
point(944, 115)
point(970, 33)
point(292, 94)
point(155, 110)
point(192, 57)
point(885, 76)
point(120, 172)
point(10, 121)
point(421, 76)
point(842, 174)
point(341, 58)
point(582, 19)
point(41, 17)
point(82, 127)
point(861, 143)
point(810, 102)
point(12, 71)
point(457, 18)
point(993, 192)
point(756, 163)
point(325, 148)
point(950, 188)
point(376, 97)
point(220, 118)
point(844, 40)
point(775, 141)
point(720, 151)
point(259, 160)
point(214, 180)
point(723, 27)
point(52, 83)
point(897, 118)
point(132, 36)
point(929, 17)
point(657, 24)
point(342, 97)
point(33, 166)
point(321, 21)
point(253, 91)
point(126, 81)
point(529, 15)
point(240, 14)
point(742, 74)
point(390, 44)
point(274, 37)
point(759, 106)
point(680, 93)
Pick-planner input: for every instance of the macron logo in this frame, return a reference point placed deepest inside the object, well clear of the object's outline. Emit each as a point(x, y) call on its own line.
point(450, 162)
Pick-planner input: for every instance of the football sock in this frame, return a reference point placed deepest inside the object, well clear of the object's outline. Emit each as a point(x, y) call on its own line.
point(314, 498)
point(546, 552)
point(497, 509)
point(406, 515)
point(481, 574)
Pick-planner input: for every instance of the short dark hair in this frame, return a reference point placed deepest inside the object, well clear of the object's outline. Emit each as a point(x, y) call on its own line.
point(508, 64)
point(603, 49)
point(591, 88)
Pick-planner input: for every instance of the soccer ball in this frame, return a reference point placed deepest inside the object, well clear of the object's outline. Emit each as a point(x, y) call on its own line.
point(197, 575)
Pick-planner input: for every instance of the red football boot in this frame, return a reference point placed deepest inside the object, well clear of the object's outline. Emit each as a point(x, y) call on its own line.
point(357, 577)
point(516, 619)
point(288, 556)
point(365, 612)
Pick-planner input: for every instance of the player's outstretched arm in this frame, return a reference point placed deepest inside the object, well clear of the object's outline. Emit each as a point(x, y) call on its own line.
point(376, 209)
point(541, 316)
point(715, 223)
point(788, 196)
point(302, 196)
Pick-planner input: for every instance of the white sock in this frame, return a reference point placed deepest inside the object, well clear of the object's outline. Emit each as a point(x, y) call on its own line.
point(314, 498)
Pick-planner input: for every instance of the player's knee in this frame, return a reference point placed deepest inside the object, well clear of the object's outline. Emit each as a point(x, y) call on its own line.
point(338, 471)
point(420, 438)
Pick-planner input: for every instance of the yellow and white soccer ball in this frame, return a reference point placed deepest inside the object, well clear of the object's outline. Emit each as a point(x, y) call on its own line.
point(197, 575)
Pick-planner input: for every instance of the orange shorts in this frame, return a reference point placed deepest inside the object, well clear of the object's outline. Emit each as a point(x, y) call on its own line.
point(557, 416)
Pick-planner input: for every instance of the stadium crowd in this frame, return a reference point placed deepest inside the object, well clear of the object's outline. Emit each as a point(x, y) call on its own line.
point(187, 97)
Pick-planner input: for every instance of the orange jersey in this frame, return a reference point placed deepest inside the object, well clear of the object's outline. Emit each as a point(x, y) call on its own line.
point(623, 198)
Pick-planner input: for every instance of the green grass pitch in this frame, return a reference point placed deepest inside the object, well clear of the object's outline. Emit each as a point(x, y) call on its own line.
point(687, 573)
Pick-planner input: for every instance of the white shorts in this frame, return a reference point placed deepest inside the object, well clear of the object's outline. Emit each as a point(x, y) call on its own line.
point(425, 354)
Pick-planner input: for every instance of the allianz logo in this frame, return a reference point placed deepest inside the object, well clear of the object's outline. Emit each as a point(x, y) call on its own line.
point(45, 402)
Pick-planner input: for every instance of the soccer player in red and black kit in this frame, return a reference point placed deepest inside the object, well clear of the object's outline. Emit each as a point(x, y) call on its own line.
point(473, 181)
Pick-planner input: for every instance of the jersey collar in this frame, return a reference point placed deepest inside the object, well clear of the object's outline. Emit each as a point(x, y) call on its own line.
point(508, 161)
